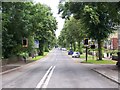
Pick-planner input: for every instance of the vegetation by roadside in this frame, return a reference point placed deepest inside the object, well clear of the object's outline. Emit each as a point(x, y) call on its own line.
point(99, 62)
point(89, 56)
point(88, 20)
point(92, 60)
point(25, 25)
point(20, 63)
point(39, 57)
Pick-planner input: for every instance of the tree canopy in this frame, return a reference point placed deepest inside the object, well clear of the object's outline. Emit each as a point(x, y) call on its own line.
point(72, 32)
point(26, 20)
point(98, 18)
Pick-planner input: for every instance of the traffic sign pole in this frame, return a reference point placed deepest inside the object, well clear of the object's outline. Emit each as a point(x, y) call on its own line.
point(86, 53)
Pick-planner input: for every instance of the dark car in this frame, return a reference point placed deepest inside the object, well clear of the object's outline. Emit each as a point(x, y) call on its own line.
point(70, 52)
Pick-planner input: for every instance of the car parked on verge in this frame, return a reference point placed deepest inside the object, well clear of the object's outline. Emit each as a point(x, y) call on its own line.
point(76, 55)
point(64, 49)
point(70, 52)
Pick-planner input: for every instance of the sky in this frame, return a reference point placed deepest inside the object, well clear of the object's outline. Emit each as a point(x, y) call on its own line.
point(54, 6)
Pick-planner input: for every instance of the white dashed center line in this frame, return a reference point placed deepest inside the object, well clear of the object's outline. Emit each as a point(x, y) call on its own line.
point(46, 78)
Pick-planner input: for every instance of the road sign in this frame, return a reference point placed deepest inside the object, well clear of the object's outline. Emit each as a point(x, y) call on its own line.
point(25, 42)
point(92, 46)
point(36, 44)
point(86, 41)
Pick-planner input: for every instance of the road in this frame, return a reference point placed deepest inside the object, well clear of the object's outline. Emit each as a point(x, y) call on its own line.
point(56, 70)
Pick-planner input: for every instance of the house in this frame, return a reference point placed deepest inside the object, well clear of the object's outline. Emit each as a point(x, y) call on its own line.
point(114, 41)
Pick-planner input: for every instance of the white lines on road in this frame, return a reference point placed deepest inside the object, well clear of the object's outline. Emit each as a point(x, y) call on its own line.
point(46, 78)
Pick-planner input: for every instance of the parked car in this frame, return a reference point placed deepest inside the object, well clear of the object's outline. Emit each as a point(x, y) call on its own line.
point(60, 48)
point(76, 55)
point(64, 49)
point(70, 52)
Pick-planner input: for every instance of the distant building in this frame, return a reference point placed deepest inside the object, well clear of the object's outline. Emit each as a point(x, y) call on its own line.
point(114, 40)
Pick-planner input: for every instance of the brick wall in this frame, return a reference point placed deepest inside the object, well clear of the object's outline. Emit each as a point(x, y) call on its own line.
point(115, 43)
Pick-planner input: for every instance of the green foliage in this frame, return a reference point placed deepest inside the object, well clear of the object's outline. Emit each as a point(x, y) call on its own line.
point(39, 57)
point(100, 62)
point(23, 54)
point(29, 20)
point(98, 18)
point(84, 56)
point(72, 34)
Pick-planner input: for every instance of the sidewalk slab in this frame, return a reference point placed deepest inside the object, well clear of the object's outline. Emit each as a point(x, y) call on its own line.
point(18, 65)
point(110, 73)
point(15, 66)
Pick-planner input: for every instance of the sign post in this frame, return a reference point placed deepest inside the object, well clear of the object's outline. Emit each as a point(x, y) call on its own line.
point(86, 44)
point(36, 44)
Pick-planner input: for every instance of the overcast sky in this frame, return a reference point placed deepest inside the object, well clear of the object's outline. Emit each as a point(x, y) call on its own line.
point(54, 6)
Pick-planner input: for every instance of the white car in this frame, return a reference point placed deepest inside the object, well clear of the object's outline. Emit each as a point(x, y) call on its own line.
point(64, 49)
point(76, 55)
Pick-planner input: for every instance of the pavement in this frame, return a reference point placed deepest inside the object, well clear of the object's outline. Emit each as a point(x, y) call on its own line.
point(59, 70)
point(13, 66)
point(109, 71)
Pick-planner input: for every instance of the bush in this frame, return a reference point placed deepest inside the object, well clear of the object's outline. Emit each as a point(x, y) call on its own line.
point(23, 54)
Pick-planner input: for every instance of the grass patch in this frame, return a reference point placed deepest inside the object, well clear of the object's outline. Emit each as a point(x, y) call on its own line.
point(45, 53)
point(100, 61)
point(39, 57)
point(94, 61)
point(89, 56)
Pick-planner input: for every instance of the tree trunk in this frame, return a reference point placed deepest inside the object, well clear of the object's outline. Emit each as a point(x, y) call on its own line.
point(74, 46)
point(41, 47)
point(100, 49)
point(46, 47)
point(71, 45)
point(79, 46)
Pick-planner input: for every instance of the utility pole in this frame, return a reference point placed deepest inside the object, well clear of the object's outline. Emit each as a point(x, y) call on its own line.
point(86, 53)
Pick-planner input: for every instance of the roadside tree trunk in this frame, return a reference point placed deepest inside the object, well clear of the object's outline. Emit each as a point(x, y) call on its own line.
point(99, 50)
point(41, 47)
point(79, 46)
point(71, 46)
point(74, 45)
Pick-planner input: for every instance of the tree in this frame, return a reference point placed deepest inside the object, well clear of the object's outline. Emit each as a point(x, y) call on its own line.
point(26, 20)
point(97, 18)
point(72, 32)
point(44, 25)
point(15, 23)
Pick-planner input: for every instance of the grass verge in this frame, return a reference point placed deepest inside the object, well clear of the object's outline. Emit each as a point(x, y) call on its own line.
point(89, 56)
point(39, 57)
point(94, 61)
point(99, 61)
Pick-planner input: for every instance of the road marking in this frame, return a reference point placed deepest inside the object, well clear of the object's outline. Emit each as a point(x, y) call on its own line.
point(42, 80)
point(45, 80)
point(48, 78)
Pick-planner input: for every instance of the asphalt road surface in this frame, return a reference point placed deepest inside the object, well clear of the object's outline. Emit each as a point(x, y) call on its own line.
point(56, 70)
